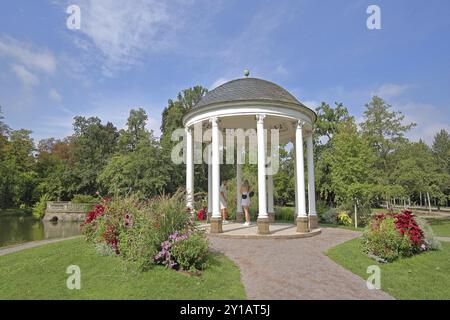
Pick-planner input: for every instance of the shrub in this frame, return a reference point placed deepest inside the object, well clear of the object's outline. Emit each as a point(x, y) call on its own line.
point(133, 229)
point(284, 213)
point(344, 218)
point(383, 240)
point(328, 216)
point(191, 253)
point(391, 236)
point(84, 198)
point(187, 251)
point(40, 206)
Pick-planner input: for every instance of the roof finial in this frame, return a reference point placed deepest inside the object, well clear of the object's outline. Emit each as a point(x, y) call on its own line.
point(246, 72)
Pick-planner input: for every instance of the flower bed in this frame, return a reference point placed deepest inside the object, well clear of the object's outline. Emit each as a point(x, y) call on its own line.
point(392, 236)
point(147, 233)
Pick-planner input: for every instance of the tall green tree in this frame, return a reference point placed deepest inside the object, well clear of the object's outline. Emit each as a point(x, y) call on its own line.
point(351, 161)
point(136, 133)
point(139, 167)
point(172, 119)
point(441, 150)
point(385, 132)
point(329, 119)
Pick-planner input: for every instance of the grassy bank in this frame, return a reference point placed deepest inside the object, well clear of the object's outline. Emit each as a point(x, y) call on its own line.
point(424, 276)
point(40, 273)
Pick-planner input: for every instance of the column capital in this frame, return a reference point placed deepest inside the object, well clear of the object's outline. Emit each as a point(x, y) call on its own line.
point(260, 118)
point(188, 129)
point(301, 124)
point(214, 121)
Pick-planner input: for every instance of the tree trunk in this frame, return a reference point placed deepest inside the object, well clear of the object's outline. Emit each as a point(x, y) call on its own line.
point(420, 201)
point(356, 217)
point(429, 202)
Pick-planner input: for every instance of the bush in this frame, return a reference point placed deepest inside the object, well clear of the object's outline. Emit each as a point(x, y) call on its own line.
point(84, 198)
point(40, 206)
point(344, 218)
point(133, 229)
point(285, 213)
point(191, 253)
point(391, 236)
point(383, 240)
point(328, 216)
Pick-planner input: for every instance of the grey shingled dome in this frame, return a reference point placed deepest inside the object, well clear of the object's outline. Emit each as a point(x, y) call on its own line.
point(247, 89)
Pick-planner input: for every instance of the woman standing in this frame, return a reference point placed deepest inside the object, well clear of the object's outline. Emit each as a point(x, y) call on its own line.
point(245, 201)
point(223, 201)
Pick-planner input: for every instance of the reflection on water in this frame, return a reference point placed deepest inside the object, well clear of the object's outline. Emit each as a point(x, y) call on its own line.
point(24, 228)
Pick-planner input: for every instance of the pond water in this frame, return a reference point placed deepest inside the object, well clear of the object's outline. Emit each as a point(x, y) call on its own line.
point(22, 227)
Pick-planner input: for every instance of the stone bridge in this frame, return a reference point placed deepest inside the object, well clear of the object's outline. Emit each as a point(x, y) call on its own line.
point(66, 211)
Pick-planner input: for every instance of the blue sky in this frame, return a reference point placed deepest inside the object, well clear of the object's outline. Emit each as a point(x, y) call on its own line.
point(140, 53)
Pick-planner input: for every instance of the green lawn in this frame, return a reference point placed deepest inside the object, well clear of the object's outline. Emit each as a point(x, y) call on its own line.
point(441, 227)
point(40, 273)
point(424, 276)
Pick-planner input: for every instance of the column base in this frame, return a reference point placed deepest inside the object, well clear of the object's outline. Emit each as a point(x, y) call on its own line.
point(272, 217)
point(313, 221)
point(216, 225)
point(239, 217)
point(263, 225)
point(302, 224)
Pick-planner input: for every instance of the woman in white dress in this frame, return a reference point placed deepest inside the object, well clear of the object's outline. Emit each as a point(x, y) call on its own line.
point(245, 201)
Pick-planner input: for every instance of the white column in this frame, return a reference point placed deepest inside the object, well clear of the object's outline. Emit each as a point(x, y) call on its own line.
point(311, 182)
point(238, 186)
point(270, 208)
point(262, 205)
point(209, 183)
point(215, 163)
point(189, 169)
point(295, 184)
point(300, 174)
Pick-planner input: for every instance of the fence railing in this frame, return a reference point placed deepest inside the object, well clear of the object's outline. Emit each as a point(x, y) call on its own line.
point(66, 206)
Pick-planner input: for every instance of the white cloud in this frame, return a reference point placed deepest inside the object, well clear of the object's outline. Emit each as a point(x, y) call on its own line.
point(391, 90)
point(218, 82)
point(55, 95)
point(121, 32)
point(28, 55)
point(281, 70)
point(27, 78)
point(430, 119)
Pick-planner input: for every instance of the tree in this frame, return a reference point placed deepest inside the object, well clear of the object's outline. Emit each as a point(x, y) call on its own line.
point(327, 124)
point(441, 150)
point(384, 130)
point(143, 172)
point(172, 119)
point(135, 134)
point(140, 166)
point(351, 162)
point(93, 143)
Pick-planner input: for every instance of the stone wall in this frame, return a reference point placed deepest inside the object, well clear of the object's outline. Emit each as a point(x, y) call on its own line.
point(66, 211)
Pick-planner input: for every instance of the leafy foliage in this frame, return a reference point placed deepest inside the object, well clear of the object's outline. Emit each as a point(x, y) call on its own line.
point(40, 207)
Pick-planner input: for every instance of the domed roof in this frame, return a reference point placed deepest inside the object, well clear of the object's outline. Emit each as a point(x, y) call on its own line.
point(247, 89)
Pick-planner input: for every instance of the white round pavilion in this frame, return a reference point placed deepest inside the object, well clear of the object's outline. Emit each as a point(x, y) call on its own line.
point(251, 103)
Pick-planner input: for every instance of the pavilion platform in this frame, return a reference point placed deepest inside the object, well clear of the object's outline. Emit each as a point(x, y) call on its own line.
point(277, 231)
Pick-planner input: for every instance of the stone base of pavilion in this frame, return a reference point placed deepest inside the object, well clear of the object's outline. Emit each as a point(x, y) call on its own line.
point(277, 231)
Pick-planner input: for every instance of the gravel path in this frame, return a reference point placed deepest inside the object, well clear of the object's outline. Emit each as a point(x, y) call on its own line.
point(295, 269)
point(29, 245)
